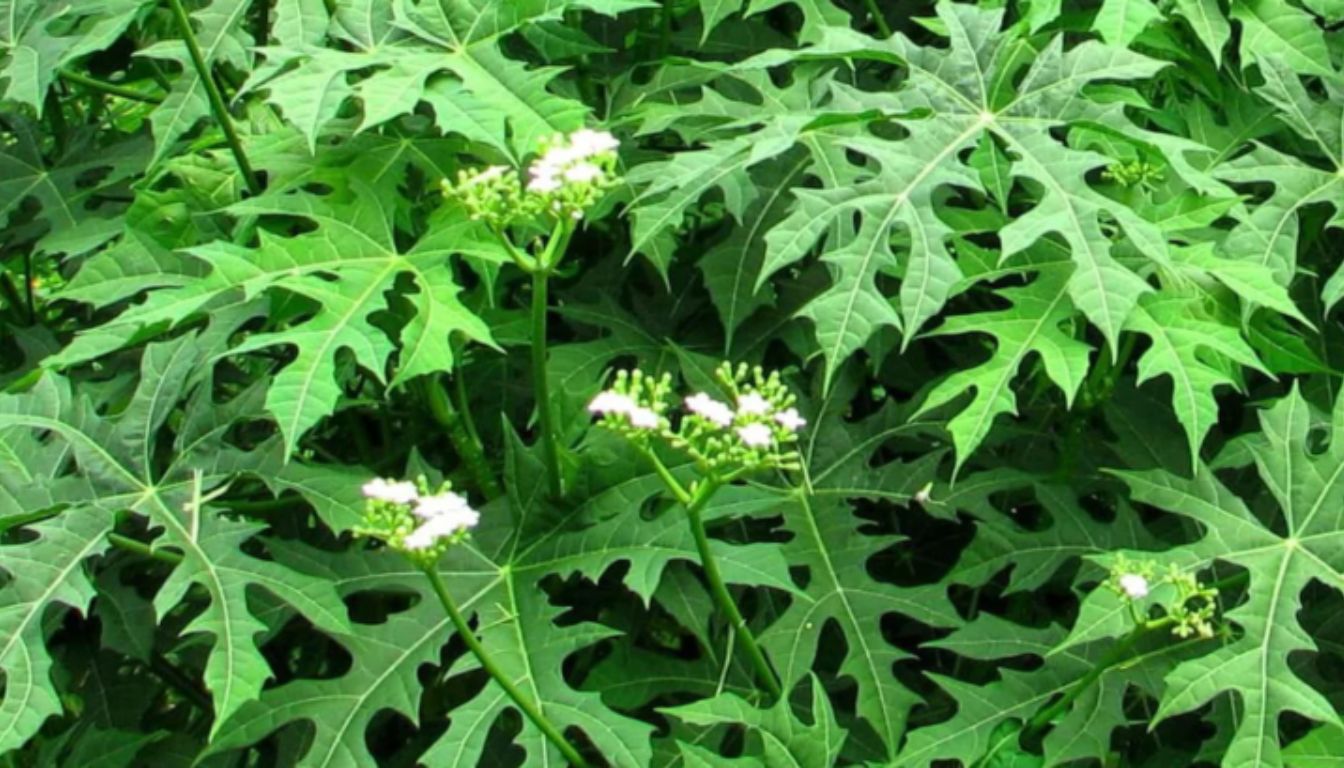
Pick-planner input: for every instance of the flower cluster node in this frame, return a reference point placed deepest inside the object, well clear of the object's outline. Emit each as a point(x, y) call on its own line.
point(1189, 605)
point(569, 177)
point(756, 432)
point(414, 521)
point(1134, 173)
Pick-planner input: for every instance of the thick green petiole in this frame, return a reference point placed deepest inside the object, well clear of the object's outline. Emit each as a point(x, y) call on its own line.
point(528, 707)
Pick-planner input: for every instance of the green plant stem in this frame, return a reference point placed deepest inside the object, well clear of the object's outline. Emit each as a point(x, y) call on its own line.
point(263, 505)
point(544, 266)
point(488, 664)
point(463, 405)
point(179, 681)
point(143, 549)
point(216, 98)
point(60, 131)
point(453, 419)
point(541, 386)
point(875, 13)
point(1115, 655)
point(665, 29)
point(111, 89)
point(30, 294)
point(722, 597)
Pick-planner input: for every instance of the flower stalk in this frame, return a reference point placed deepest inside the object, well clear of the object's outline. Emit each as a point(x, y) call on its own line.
point(550, 450)
point(526, 705)
point(718, 590)
point(569, 176)
point(725, 442)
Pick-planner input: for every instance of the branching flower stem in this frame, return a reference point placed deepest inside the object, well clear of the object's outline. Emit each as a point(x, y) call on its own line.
point(695, 502)
point(528, 708)
point(221, 111)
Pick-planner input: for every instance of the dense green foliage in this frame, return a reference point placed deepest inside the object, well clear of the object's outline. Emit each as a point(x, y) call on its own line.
point(1053, 283)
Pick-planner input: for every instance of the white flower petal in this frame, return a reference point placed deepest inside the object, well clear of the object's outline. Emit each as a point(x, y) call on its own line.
point(752, 404)
point(643, 418)
point(390, 491)
point(756, 435)
point(1134, 585)
point(611, 402)
point(790, 420)
point(702, 404)
point(582, 173)
point(440, 505)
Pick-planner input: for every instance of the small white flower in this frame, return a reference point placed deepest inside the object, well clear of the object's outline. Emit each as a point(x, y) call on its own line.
point(582, 173)
point(643, 418)
point(390, 491)
point(752, 404)
point(591, 142)
point(756, 435)
point(611, 402)
point(562, 155)
point(703, 405)
point(439, 505)
point(1134, 585)
point(790, 420)
point(445, 515)
point(923, 495)
point(543, 183)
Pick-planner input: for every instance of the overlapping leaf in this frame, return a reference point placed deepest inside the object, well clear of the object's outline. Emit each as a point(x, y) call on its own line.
point(1308, 488)
point(354, 243)
point(952, 97)
point(116, 459)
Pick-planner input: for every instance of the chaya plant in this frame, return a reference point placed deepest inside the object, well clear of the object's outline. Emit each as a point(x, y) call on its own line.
point(756, 433)
point(533, 219)
point(422, 526)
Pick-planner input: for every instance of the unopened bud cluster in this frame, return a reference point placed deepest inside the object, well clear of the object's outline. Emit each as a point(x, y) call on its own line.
point(1190, 606)
point(414, 521)
point(755, 429)
point(1134, 173)
point(569, 177)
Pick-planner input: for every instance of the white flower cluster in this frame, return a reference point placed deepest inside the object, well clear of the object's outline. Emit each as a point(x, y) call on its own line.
point(1174, 594)
point(572, 161)
point(442, 515)
point(756, 429)
point(391, 491)
point(751, 406)
point(570, 176)
point(611, 403)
